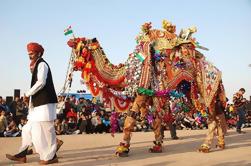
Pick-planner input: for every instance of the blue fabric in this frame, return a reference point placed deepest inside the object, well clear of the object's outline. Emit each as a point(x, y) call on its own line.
point(106, 122)
point(241, 113)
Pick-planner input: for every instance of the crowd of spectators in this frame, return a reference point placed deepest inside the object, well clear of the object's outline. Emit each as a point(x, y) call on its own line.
point(84, 116)
point(12, 117)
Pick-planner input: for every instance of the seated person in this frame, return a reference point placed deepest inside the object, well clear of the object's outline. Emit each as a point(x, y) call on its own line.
point(106, 122)
point(12, 129)
point(71, 126)
point(59, 127)
point(3, 122)
point(23, 121)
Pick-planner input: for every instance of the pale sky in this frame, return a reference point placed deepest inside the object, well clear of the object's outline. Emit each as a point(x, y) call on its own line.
point(223, 26)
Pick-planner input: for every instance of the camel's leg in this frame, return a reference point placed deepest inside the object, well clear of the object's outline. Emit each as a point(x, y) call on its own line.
point(216, 123)
point(123, 148)
point(221, 130)
point(210, 134)
point(157, 148)
point(128, 128)
point(143, 111)
point(212, 126)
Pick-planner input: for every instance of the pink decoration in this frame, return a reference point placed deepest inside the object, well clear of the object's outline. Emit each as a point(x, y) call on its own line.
point(114, 122)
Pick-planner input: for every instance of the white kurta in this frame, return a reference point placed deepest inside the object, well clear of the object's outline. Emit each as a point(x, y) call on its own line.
point(39, 129)
point(45, 112)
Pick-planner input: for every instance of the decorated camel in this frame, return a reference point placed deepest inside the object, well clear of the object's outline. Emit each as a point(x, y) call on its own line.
point(161, 63)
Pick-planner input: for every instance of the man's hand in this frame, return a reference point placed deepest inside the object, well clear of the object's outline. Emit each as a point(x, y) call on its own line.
point(244, 100)
point(26, 99)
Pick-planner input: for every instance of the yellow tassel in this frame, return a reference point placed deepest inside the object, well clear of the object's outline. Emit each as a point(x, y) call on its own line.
point(88, 77)
point(88, 65)
point(79, 46)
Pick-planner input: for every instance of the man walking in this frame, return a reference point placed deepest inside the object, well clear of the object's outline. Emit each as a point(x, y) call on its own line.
point(239, 104)
point(39, 129)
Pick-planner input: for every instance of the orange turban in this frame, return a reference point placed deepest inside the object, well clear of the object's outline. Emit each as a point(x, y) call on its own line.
point(35, 47)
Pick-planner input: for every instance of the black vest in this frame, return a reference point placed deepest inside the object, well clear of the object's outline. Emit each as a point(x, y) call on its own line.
point(47, 94)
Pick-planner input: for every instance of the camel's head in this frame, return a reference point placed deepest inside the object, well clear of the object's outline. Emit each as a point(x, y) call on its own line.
point(82, 48)
point(80, 43)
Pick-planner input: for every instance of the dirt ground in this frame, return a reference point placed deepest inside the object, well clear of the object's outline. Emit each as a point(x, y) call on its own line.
point(98, 149)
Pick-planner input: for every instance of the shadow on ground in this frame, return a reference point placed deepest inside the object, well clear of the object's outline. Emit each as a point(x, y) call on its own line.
point(106, 156)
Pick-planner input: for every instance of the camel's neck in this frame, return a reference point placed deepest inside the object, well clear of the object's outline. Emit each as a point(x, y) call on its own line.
point(105, 68)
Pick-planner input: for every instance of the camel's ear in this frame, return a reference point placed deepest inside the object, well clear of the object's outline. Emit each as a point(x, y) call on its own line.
point(94, 40)
point(71, 43)
point(181, 32)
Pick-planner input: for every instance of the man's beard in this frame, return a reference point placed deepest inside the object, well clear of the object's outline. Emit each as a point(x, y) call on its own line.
point(32, 65)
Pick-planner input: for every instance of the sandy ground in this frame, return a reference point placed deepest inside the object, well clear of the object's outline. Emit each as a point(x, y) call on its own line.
point(98, 149)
